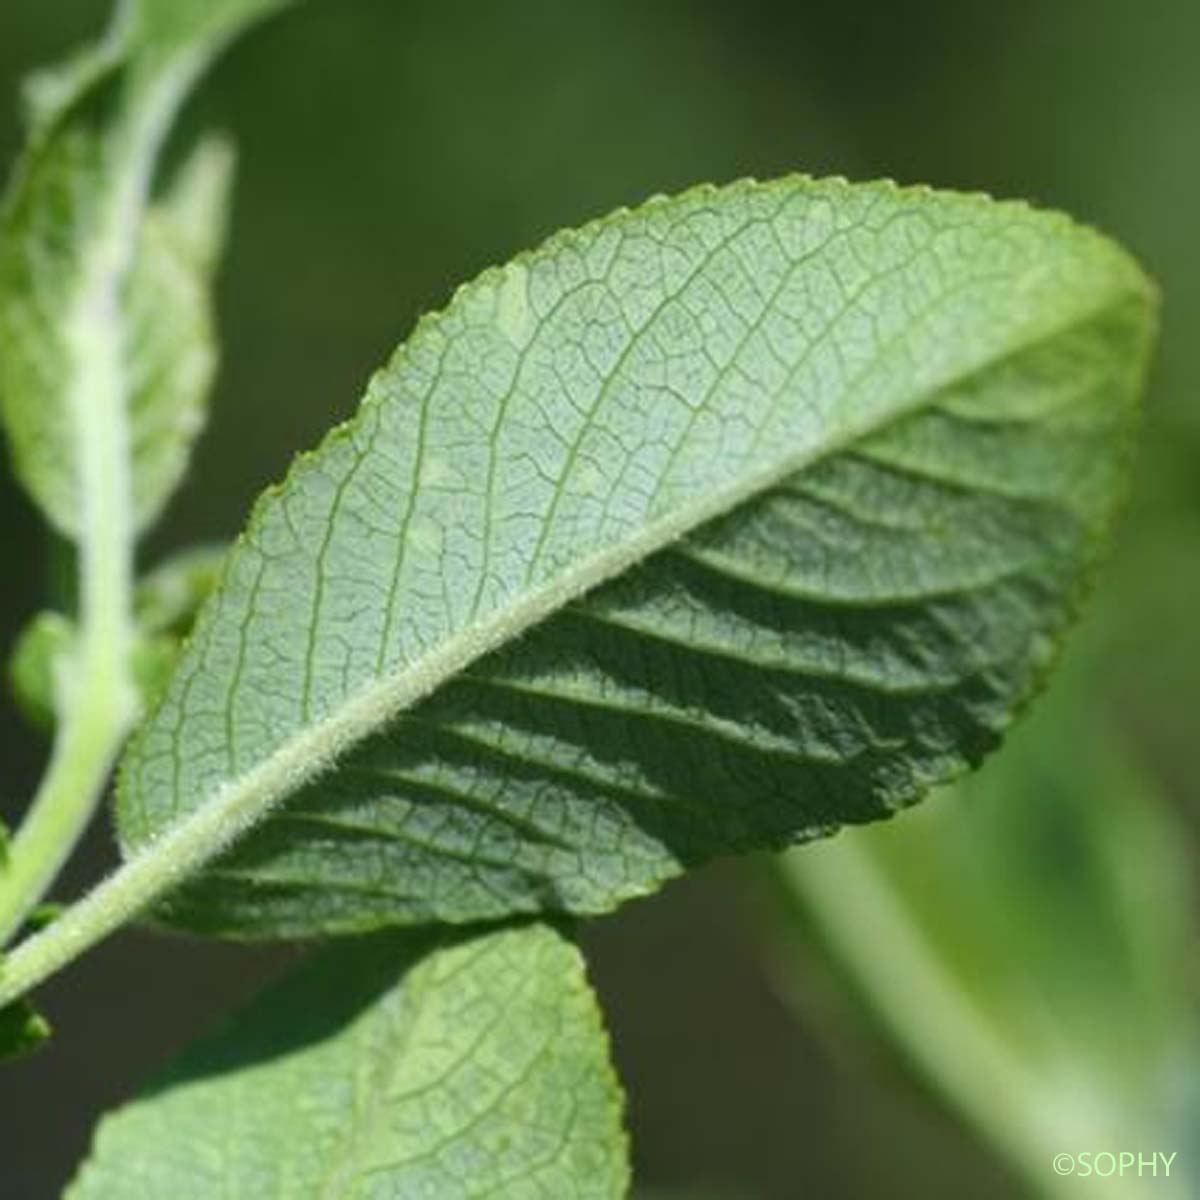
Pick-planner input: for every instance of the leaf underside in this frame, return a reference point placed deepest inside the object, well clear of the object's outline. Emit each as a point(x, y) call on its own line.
point(711, 526)
point(89, 273)
point(396, 1067)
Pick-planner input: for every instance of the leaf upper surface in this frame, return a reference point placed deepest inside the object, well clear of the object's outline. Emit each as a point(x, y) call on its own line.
point(482, 1072)
point(708, 527)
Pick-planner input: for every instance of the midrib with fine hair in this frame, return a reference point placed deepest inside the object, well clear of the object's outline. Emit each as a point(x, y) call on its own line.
point(239, 803)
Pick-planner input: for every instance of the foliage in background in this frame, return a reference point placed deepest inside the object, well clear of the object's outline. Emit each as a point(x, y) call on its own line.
point(1029, 942)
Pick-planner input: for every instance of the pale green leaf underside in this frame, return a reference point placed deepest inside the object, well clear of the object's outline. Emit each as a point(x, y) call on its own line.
point(104, 305)
point(172, 354)
point(391, 1069)
point(36, 667)
point(708, 527)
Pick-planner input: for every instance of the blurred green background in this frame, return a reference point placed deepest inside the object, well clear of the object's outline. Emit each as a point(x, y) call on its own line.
point(392, 150)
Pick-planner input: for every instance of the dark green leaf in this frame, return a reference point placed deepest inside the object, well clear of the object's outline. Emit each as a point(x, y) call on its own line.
point(22, 1030)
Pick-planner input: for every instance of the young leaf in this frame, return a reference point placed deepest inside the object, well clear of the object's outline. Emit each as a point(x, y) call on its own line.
point(153, 660)
point(172, 357)
point(165, 606)
point(168, 596)
point(106, 344)
point(22, 1029)
point(388, 1068)
point(35, 668)
point(711, 526)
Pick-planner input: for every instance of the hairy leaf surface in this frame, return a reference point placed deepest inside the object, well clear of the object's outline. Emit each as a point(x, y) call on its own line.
point(395, 1068)
point(106, 341)
point(711, 526)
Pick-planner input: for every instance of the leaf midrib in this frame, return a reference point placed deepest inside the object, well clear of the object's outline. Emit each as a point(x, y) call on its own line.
point(238, 804)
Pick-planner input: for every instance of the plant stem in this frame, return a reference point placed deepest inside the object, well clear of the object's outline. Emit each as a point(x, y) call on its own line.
point(97, 696)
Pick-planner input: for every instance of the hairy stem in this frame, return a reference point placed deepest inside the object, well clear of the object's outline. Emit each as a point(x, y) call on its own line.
point(83, 756)
point(97, 696)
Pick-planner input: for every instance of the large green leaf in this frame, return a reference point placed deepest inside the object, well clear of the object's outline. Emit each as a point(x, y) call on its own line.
point(106, 342)
point(392, 1069)
point(710, 526)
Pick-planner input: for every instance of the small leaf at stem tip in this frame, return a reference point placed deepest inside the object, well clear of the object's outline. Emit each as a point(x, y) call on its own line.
point(154, 657)
point(45, 914)
point(38, 665)
point(22, 1029)
point(169, 595)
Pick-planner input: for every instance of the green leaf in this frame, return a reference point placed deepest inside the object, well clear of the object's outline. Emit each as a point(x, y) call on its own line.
point(168, 596)
point(44, 916)
point(165, 606)
point(38, 665)
point(398, 1068)
point(22, 1029)
point(106, 339)
point(153, 660)
point(172, 356)
point(708, 527)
